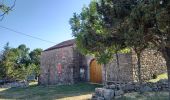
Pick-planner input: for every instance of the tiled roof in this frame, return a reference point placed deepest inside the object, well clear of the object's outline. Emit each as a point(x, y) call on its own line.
point(62, 44)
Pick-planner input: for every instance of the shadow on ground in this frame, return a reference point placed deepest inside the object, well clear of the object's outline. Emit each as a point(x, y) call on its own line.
point(80, 90)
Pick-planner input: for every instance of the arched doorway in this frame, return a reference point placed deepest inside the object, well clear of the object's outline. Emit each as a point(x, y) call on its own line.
point(95, 72)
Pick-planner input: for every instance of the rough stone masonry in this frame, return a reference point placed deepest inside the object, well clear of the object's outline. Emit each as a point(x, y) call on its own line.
point(64, 64)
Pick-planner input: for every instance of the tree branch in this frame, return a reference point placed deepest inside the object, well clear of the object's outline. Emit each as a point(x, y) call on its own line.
point(8, 9)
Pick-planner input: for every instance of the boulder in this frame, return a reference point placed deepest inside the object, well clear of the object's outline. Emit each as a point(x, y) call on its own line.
point(100, 98)
point(99, 91)
point(146, 89)
point(155, 88)
point(112, 86)
point(128, 87)
point(119, 92)
point(163, 81)
point(118, 86)
point(108, 94)
point(106, 86)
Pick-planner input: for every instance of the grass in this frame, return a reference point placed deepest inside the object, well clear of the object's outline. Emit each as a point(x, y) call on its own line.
point(145, 96)
point(80, 91)
point(159, 77)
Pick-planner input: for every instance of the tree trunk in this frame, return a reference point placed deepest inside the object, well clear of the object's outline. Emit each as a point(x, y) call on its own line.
point(105, 69)
point(139, 69)
point(118, 66)
point(166, 54)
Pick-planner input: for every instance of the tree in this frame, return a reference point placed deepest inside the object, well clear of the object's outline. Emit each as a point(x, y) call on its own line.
point(136, 32)
point(23, 55)
point(113, 13)
point(89, 33)
point(150, 19)
point(9, 64)
point(161, 29)
point(35, 60)
point(135, 23)
point(18, 63)
point(155, 23)
point(96, 31)
point(4, 57)
point(139, 23)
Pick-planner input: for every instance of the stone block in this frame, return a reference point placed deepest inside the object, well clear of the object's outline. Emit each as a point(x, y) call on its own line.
point(112, 86)
point(108, 94)
point(146, 89)
point(100, 98)
point(99, 91)
point(119, 92)
point(128, 87)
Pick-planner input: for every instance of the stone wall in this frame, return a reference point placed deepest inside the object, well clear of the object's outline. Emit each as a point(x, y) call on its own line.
point(78, 62)
point(17, 84)
point(116, 90)
point(50, 60)
point(152, 63)
point(76, 67)
point(70, 60)
point(124, 72)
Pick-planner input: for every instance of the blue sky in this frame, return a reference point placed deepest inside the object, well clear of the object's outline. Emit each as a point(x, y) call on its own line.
point(46, 19)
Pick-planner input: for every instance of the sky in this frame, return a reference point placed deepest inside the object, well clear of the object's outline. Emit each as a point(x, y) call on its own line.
point(45, 19)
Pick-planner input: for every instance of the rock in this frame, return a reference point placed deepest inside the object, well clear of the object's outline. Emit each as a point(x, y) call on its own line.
point(108, 94)
point(117, 97)
point(137, 87)
point(106, 87)
point(118, 86)
point(163, 81)
point(119, 92)
point(98, 98)
point(94, 95)
point(146, 89)
point(112, 91)
point(112, 86)
point(99, 91)
point(16, 84)
point(154, 87)
point(128, 87)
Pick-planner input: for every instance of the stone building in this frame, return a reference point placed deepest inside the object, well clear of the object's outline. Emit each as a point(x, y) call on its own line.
point(63, 64)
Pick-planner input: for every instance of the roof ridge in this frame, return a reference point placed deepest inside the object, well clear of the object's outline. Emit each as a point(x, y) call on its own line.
point(62, 44)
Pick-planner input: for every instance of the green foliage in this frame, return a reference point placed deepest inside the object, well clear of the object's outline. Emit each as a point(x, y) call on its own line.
point(94, 28)
point(125, 50)
point(35, 60)
point(17, 64)
point(4, 8)
point(2, 57)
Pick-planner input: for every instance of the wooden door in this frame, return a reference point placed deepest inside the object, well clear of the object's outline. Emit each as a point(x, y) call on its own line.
point(95, 72)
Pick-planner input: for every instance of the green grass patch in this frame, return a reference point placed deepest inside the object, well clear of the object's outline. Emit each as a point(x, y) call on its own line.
point(159, 77)
point(35, 92)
